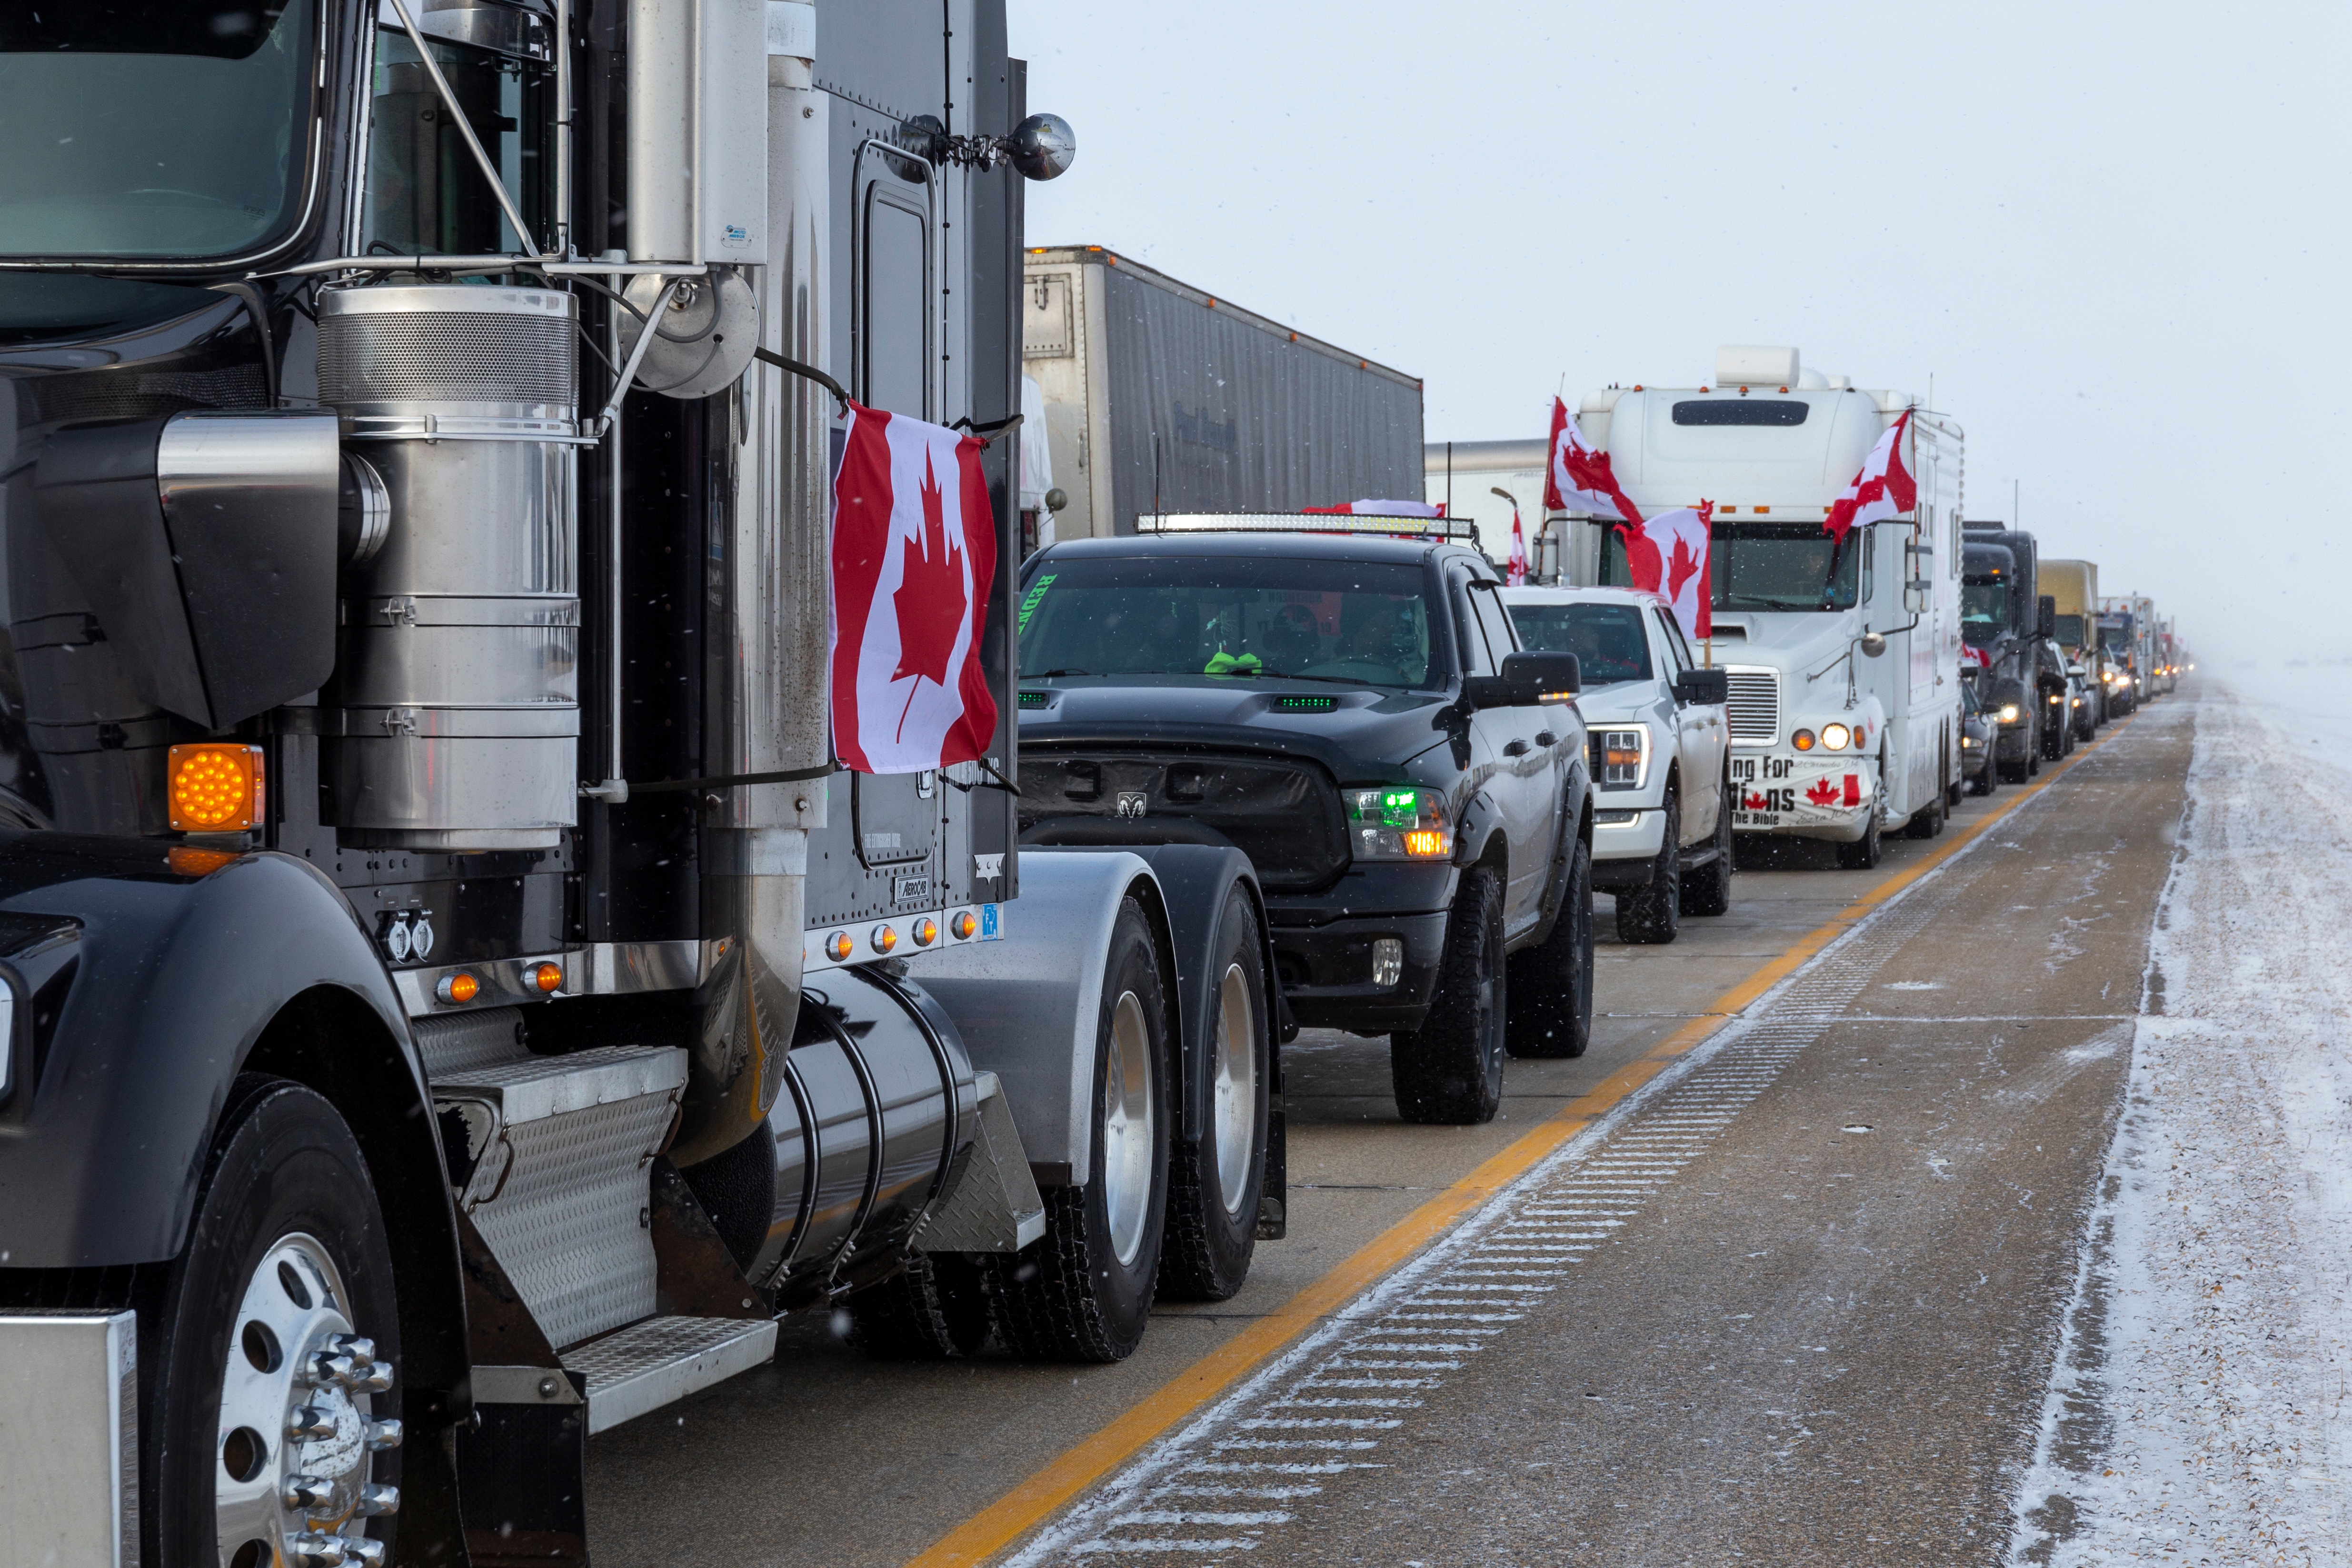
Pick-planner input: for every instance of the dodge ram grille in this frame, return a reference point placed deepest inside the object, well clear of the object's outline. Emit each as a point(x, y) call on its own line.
point(1755, 706)
point(1285, 816)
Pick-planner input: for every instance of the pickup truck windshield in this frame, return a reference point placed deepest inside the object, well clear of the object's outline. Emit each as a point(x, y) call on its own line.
point(1607, 639)
point(1764, 566)
point(1984, 612)
point(1348, 621)
point(153, 128)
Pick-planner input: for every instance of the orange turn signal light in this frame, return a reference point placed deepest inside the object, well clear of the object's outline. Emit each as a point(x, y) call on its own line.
point(547, 976)
point(1424, 841)
point(460, 987)
point(215, 787)
point(838, 947)
point(963, 925)
point(189, 861)
point(884, 939)
point(927, 931)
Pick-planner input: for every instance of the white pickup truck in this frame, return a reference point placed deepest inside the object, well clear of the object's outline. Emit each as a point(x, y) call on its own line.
point(1660, 744)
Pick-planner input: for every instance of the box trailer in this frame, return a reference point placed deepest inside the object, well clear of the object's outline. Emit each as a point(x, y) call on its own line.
point(1162, 397)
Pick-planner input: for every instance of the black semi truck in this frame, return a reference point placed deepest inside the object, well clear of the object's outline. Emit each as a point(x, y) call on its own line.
point(451, 999)
point(2021, 677)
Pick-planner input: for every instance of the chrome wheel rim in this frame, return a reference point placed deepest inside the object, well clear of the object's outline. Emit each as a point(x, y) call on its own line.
point(1128, 1133)
point(1235, 1093)
point(293, 1462)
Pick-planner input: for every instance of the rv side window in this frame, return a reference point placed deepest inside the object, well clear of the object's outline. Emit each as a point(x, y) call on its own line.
point(896, 351)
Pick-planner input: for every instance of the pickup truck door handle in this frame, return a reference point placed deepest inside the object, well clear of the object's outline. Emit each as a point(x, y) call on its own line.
point(1516, 747)
point(1546, 738)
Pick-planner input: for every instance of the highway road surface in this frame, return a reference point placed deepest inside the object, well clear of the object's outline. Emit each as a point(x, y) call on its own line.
point(1775, 1273)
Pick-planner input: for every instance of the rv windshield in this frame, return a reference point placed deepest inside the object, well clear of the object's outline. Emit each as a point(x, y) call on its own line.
point(1984, 610)
point(153, 128)
point(1765, 566)
point(1363, 624)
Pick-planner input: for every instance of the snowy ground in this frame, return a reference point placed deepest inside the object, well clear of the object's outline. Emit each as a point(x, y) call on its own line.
point(2199, 1410)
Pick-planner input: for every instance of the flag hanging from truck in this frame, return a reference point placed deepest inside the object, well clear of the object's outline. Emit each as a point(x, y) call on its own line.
point(1516, 572)
point(1667, 556)
point(914, 555)
point(1578, 476)
point(1883, 488)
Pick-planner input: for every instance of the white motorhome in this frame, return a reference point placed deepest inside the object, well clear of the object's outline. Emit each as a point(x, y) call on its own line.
point(1843, 662)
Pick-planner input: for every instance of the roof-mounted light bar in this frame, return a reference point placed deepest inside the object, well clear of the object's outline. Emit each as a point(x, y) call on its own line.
point(1337, 522)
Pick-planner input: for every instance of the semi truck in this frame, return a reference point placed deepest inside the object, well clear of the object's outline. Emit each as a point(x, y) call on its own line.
point(2010, 628)
point(1160, 396)
point(1843, 659)
point(2127, 626)
point(2074, 586)
point(452, 999)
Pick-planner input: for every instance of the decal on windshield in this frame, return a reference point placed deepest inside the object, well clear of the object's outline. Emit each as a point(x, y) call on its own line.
point(1029, 603)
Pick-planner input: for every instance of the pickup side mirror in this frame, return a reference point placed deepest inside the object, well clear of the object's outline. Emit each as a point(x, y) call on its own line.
point(1530, 679)
point(1703, 686)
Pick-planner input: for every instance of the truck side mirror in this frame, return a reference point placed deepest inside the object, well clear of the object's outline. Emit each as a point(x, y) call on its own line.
point(2045, 624)
point(1873, 644)
point(1703, 687)
point(1532, 677)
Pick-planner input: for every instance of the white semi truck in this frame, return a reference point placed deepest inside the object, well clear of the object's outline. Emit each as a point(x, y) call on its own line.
point(1843, 659)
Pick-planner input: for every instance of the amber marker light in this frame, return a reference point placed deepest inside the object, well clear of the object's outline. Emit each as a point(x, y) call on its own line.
point(838, 946)
point(460, 988)
point(189, 861)
point(1424, 842)
point(547, 976)
point(927, 931)
point(215, 787)
point(963, 925)
point(1803, 739)
point(884, 939)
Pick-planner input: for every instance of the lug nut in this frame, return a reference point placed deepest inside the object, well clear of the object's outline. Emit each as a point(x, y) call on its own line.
point(374, 1379)
point(368, 1553)
point(381, 1434)
point(314, 1550)
point(326, 1367)
point(308, 1491)
point(310, 1421)
point(359, 1347)
point(378, 1498)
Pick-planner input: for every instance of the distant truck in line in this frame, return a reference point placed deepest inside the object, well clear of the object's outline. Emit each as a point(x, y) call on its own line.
point(2073, 586)
point(1159, 396)
point(1842, 657)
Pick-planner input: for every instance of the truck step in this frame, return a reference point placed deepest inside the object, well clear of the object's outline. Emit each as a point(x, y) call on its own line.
point(555, 1154)
point(662, 1360)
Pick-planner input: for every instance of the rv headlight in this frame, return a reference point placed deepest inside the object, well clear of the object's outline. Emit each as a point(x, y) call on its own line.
point(1399, 822)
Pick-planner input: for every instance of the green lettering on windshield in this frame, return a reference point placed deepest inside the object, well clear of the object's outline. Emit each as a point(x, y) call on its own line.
point(1029, 603)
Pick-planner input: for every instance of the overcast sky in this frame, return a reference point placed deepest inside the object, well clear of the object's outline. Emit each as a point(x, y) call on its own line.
point(2114, 235)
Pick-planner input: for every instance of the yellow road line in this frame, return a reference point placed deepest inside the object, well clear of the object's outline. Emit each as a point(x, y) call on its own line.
point(1029, 1504)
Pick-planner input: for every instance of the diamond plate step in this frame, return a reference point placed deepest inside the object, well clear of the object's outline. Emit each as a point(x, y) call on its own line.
point(558, 1148)
point(662, 1360)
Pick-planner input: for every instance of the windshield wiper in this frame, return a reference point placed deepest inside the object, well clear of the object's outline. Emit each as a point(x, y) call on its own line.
point(1779, 604)
point(1049, 674)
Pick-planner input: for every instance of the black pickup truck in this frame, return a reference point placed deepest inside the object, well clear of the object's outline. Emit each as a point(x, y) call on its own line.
point(1355, 713)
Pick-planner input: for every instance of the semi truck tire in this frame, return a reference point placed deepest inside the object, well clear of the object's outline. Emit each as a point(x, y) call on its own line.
point(936, 1310)
point(1550, 1012)
point(1214, 1184)
point(276, 1341)
point(1706, 890)
point(1651, 914)
point(1450, 1070)
point(1082, 1292)
point(1863, 853)
point(1928, 821)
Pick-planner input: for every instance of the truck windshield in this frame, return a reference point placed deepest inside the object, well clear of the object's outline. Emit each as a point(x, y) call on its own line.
point(153, 128)
point(1607, 639)
point(1764, 566)
point(1984, 610)
point(1360, 623)
point(2115, 637)
point(2070, 631)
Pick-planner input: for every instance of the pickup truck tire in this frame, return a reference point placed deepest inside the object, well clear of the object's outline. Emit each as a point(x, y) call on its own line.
point(1988, 780)
point(1706, 890)
point(1214, 1186)
point(287, 1248)
point(1082, 1292)
point(1449, 1072)
point(1551, 983)
point(1651, 914)
point(936, 1310)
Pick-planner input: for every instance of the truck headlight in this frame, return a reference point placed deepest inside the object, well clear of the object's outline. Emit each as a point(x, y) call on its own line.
point(1834, 737)
point(1618, 756)
point(2009, 713)
point(1401, 821)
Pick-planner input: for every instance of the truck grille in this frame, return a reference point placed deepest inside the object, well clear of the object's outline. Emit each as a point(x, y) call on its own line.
point(1285, 816)
point(1755, 706)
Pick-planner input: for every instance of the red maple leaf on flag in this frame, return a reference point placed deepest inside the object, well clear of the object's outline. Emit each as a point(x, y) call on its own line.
point(1824, 792)
point(1681, 569)
point(929, 598)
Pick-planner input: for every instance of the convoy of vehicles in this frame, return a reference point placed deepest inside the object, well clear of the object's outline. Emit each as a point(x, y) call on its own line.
point(2020, 674)
point(1843, 657)
point(453, 999)
point(1355, 713)
point(1661, 763)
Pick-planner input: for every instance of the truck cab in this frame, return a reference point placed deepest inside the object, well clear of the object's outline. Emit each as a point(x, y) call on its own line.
point(1356, 714)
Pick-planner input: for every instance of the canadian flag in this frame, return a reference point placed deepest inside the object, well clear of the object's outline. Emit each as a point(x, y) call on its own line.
point(914, 554)
point(1667, 556)
point(1883, 489)
point(1516, 572)
point(1376, 509)
point(1578, 476)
